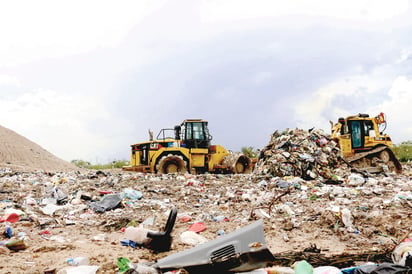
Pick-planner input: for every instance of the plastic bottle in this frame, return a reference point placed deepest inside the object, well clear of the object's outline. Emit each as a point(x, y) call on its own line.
point(78, 261)
point(219, 218)
point(347, 219)
point(136, 234)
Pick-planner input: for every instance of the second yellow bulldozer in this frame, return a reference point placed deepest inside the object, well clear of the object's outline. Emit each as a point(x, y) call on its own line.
point(363, 143)
point(186, 148)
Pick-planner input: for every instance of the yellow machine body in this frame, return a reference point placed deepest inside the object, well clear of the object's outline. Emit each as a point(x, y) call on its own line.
point(363, 143)
point(189, 151)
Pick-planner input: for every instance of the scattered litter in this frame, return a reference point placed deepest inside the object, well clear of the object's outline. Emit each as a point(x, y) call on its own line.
point(109, 202)
point(197, 227)
point(81, 269)
point(76, 261)
point(192, 238)
point(402, 254)
point(136, 234)
point(300, 190)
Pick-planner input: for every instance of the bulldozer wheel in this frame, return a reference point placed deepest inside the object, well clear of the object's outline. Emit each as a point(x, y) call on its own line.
point(385, 156)
point(171, 164)
point(239, 167)
point(243, 165)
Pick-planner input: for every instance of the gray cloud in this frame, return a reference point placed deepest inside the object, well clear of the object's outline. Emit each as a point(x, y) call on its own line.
point(245, 80)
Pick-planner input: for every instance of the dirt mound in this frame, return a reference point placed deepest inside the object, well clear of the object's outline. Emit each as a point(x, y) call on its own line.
point(19, 153)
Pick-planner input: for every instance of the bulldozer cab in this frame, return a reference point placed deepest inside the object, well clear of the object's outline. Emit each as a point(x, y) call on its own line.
point(359, 129)
point(194, 133)
point(362, 131)
point(365, 132)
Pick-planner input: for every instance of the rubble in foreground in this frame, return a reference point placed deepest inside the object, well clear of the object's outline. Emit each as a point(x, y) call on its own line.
point(56, 219)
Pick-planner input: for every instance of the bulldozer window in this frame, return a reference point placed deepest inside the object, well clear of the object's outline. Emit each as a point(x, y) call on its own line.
point(188, 131)
point(194, 131)
point(196, 135)
point(356, 134)
point(198, 131)
point(368, 128)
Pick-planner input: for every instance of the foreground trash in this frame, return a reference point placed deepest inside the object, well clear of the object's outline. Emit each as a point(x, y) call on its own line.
point(244, 251)
point(241, 250)
point(156, 241)
point(108, 202)
point(10, 218)
point(81, 269)
point(16, 245)
point(361, 213)
point(402, 254)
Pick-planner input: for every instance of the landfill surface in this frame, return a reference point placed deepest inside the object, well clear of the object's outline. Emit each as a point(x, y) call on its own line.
point(302, 191)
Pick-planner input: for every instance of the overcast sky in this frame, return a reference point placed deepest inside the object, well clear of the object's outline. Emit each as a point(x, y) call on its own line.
point(85, 79)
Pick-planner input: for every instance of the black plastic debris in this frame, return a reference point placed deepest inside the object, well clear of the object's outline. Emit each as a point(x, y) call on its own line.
point(108, 202)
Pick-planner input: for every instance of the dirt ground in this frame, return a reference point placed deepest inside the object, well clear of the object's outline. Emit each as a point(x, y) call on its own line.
point(303, 214)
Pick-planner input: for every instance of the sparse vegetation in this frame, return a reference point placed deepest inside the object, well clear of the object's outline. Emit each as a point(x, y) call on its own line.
point(403, 151)
point(81, 163)
point(88, 165)
point(250, 152)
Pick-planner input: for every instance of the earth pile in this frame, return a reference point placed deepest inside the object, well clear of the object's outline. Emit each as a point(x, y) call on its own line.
point(19, 153)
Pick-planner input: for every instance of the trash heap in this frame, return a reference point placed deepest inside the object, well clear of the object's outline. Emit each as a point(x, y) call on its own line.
point(309, 154)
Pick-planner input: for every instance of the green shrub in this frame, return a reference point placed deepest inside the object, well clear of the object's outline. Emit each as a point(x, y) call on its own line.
point(81, 163)
point(403, 151)
point(114, 164)
point(250, 152)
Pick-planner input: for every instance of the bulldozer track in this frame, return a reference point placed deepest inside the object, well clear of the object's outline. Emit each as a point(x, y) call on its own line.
point(374, 157)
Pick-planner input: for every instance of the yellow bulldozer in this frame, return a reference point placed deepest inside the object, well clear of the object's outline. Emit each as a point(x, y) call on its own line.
point(186, 148)
point(364, 145)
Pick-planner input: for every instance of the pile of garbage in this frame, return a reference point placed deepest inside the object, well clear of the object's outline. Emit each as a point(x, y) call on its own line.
point(308, 154)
